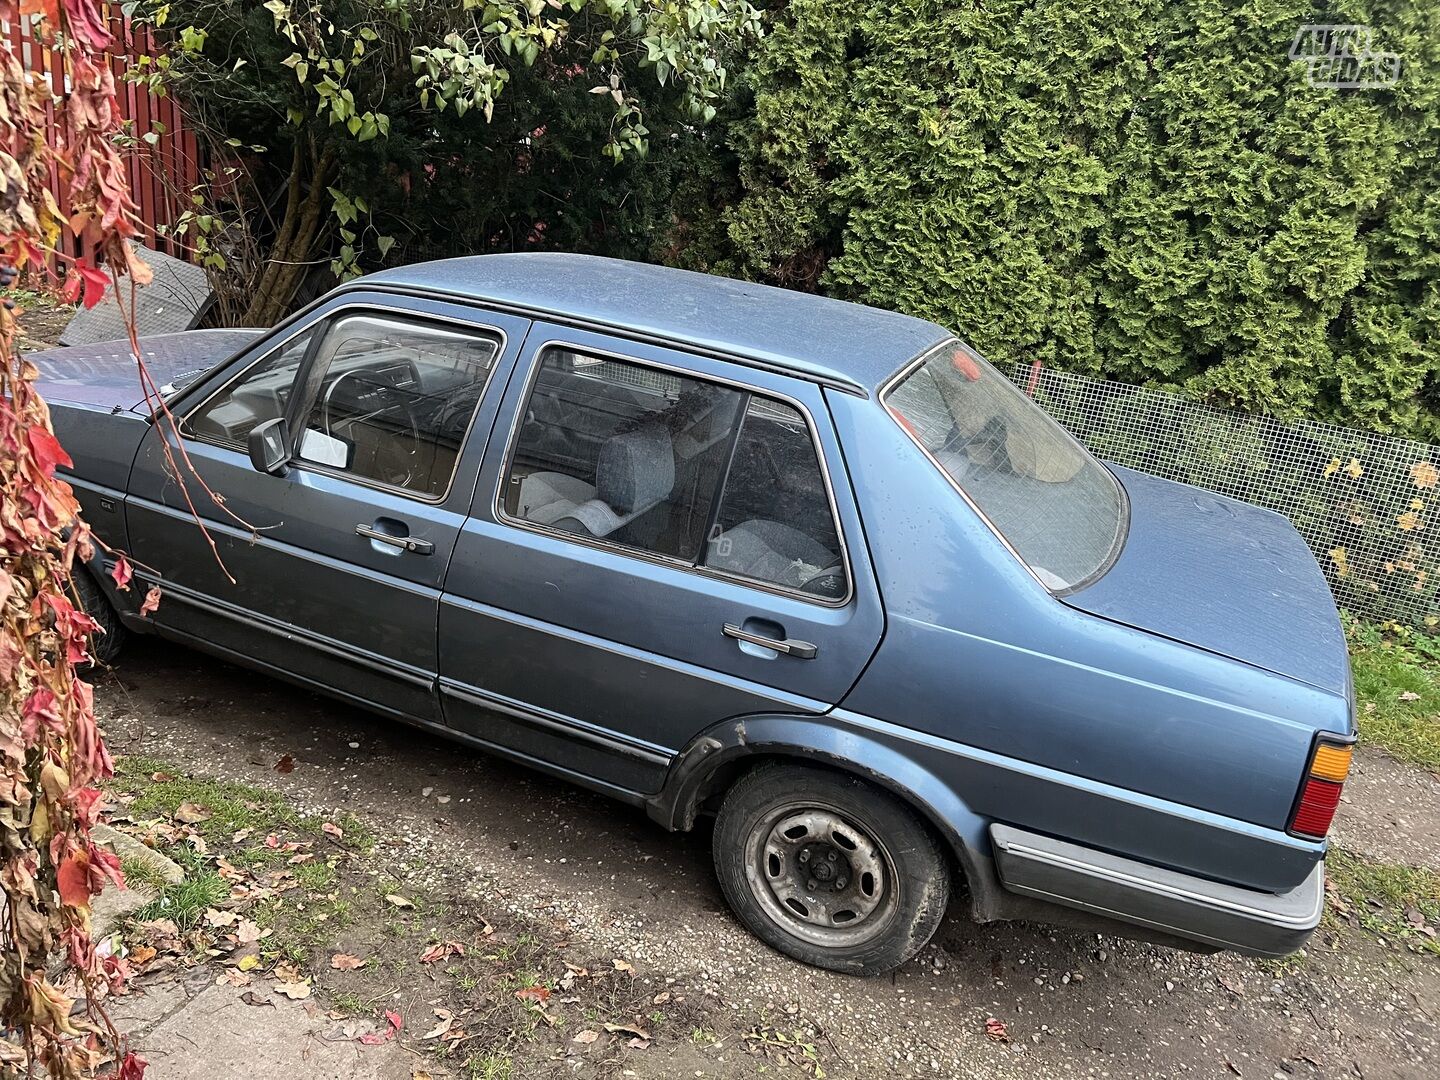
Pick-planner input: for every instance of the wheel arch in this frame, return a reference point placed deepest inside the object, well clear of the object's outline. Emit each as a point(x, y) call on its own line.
point(714, 760)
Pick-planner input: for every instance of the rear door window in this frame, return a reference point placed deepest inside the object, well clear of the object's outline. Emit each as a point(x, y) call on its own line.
point(775, 523)
point(686, 468)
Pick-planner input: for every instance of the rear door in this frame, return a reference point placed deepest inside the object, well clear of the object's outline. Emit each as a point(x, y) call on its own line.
point(338, 585)
point(660, 542)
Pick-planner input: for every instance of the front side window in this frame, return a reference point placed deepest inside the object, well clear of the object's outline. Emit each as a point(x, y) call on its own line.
point(261, 393)
point(1054, 503)
point(391, 400)
point(706, 474)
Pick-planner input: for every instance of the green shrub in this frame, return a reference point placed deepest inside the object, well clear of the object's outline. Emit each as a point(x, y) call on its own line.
point(1147, 190)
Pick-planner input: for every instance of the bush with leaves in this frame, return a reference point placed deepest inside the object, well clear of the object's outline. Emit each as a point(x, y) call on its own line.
point(430, 124)
point(1147, 190)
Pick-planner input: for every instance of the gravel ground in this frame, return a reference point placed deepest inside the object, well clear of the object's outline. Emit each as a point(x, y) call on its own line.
point(1074, 1004)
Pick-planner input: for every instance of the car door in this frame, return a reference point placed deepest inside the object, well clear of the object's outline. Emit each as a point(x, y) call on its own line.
point(330, 573)
point(660, 542)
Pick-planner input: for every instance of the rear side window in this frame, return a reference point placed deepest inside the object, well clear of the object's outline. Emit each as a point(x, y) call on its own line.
point(391, 400)
point(692, 470)
point(775, 523)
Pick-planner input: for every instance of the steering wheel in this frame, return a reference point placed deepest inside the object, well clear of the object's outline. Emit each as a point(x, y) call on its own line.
point(375, 405)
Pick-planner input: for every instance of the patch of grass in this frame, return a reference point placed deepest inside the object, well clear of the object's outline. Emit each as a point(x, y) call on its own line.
point(1385, 897)
point(143, 874)
point(186, 902)
point(232, 806)
point(1397, 689)
point(487, 1067)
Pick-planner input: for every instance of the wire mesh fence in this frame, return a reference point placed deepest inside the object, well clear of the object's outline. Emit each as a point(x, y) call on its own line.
point(1365, 503)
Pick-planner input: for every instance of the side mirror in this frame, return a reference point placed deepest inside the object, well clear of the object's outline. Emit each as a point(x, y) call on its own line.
point(269, 446)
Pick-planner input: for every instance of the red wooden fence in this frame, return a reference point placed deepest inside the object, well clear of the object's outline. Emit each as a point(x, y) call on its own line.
point(161, 174)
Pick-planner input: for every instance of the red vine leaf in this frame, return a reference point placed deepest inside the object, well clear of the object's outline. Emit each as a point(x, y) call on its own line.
point(94, 281)
point(152, 600)
point(122, 573)
point(73, 879)
point(47, 450)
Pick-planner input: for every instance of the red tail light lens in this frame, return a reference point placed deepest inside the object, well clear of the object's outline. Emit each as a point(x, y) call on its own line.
point(1320, 797)
point(1316, 808)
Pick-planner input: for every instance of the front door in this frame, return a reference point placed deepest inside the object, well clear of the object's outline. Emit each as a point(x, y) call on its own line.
point(331, 573)
point(662, 542)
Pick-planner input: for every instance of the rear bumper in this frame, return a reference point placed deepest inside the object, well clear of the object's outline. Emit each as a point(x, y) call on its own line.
point(1243, 920)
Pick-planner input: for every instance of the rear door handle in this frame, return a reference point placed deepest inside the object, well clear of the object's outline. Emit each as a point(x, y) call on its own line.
point(404, 543)
point(800, 650)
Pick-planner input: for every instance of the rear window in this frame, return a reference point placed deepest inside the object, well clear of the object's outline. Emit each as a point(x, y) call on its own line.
point(1053, 502)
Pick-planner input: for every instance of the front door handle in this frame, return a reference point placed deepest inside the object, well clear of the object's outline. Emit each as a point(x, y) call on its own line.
point(404, 543)
point(800, 650)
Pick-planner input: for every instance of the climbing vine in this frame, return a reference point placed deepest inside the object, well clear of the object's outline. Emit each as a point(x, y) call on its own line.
point(52, 753)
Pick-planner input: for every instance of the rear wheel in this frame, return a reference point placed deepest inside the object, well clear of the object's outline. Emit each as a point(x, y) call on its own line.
point(829, 869)
point(106, 646)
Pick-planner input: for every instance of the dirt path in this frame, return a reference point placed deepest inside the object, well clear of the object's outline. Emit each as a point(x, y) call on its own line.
point(1391, 811)
point(1074, 1004)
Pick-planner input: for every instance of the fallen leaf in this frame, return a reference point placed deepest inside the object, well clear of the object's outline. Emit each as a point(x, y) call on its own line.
point(439, 1029)
point(295, 991)
point(329, 828)
point(249, 963)
point(240, 834)
point(1409, 695)
point(286, 764)
point(585, 1038)
point(623, 965)
point(252, 998)
point(418, 1073)
point(398, 900)
point(633, 1030)
point(233, 977)
point(141, 955)
point(996, 1031)
point(161, 777)
point(191, 813)
point(1235, 988)
point(538, 995)
point(396, 1020)
point(286, 972)
point(216, 917)
point(345, 962)
point(638, 1043)
point(247, 931)
point(301, 858)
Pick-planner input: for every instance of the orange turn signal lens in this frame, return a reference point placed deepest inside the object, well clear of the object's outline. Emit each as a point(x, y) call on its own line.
point(1331, 762)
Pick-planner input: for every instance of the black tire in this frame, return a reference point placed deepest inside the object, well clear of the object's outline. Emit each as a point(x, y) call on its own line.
point(781, 828)
point(106, 645)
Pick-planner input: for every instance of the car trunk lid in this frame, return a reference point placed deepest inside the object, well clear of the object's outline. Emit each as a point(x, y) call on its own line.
point(1224, 576)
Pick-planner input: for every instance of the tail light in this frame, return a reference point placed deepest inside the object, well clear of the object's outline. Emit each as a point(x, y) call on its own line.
point(1320, 795)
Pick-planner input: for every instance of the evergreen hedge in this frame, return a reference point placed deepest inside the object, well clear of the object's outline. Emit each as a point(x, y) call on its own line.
point(1147, 190)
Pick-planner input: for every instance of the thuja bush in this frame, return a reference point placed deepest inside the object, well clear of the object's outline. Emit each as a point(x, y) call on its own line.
point(1148, 190)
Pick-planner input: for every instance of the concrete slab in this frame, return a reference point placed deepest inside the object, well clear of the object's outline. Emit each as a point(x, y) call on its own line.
point(218, 1034)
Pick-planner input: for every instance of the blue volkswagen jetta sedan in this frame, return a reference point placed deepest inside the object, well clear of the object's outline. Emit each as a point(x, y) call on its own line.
point(712, 547)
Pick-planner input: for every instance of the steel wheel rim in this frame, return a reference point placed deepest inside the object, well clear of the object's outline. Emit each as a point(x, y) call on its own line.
point(820, 876)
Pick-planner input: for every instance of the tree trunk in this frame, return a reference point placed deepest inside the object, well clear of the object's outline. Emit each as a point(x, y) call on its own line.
point(296, 243)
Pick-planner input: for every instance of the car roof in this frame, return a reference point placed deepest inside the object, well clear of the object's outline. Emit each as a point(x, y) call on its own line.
point(849, 345)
